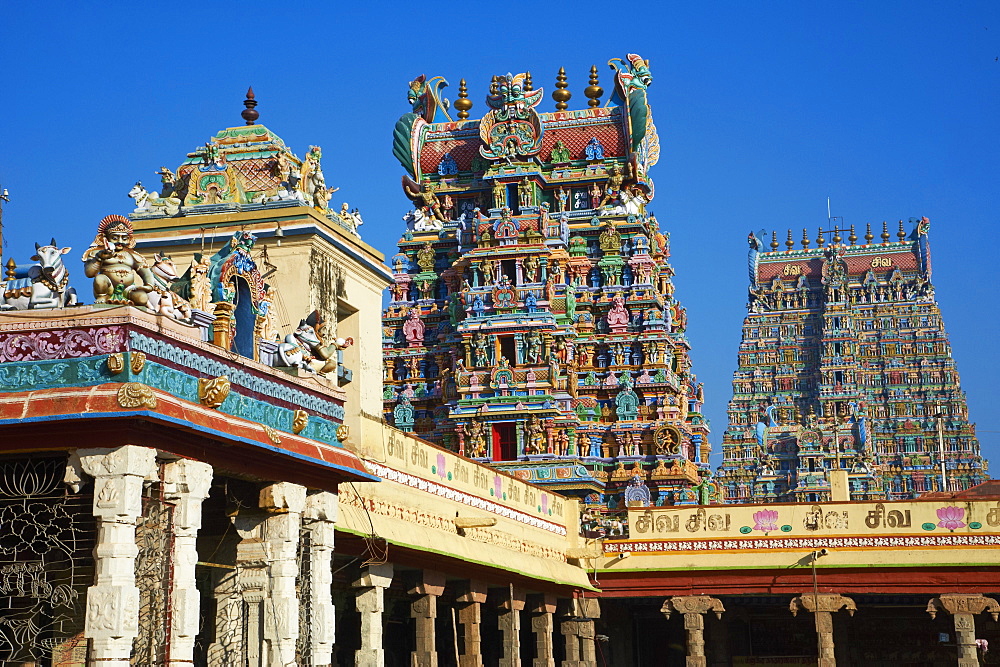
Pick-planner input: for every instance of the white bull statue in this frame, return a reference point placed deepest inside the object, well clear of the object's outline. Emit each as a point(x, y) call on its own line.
point(44, 284)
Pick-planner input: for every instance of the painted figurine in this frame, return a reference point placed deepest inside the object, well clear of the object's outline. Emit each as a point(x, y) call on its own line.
point(120, 274)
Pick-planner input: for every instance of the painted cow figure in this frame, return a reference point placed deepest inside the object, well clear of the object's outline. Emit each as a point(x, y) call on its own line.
point(44, 284)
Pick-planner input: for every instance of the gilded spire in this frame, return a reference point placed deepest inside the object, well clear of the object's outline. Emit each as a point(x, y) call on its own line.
point(885, 232)
point(774, 241)
point(819, 238)
point(805, 238)
point(494, 86)
point(853, 238)
point(560, 94)
point(528, 85)
point(250, 114)
point(868, 235)
point(901, 233)
point(836, 235)
point(463, 103)
point(789, 243)
point(593, 91)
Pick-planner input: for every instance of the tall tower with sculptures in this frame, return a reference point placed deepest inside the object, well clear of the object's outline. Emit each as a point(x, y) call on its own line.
point(533, 321)
point(846, 373)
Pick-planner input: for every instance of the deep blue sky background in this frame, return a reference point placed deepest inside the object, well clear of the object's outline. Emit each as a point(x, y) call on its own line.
point(763, 109)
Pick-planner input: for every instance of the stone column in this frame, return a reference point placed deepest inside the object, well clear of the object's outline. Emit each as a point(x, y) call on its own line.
point(963, 609)
point(370, 602)
point(578, 632)
point(822, 607)
point(468, 601)
point(428, 587)
point(509, 604)
point(113, 601)
point(694, 607)
point(285, 503)
point(542, 607)
point(186, 484)
point(319, 520)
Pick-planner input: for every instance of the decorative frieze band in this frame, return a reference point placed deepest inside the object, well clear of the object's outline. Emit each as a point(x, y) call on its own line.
point(760, 544)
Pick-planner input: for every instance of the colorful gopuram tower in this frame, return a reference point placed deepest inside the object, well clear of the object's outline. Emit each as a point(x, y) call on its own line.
point(845, 375)
point(533, 322)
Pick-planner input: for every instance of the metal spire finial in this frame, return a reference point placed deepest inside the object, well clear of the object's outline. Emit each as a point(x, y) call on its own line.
point(250, 114)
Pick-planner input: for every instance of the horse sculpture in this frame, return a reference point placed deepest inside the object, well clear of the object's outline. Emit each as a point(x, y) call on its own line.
point(149, 202)
point(418, 221)
point(305, 348)
point(162, 300)
point(41, 285)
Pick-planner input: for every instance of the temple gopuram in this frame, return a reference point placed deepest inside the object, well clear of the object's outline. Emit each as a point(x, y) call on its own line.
point(532, 322)
point(846, 375)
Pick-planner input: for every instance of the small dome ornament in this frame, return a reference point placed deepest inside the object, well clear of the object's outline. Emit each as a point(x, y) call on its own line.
point(250, 114)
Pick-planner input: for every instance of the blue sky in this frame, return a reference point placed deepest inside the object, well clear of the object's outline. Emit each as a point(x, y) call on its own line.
point(764, 110)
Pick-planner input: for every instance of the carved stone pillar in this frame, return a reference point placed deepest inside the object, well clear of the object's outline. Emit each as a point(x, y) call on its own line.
point(468, 601)
point(542, 607)
point(186, 484)
point(578, 632)
point(113, 601)
point(822, 607)
point(285, 503)
point(509, 604)
point(319, 520)
point(963, 609)
point(694, 607)
point(428, 587)
point(370, 602)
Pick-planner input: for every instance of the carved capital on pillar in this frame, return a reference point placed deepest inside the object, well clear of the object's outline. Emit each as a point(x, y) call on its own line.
point(321, 506)
point(693, 604)
point(426, 582)
point(379, 576)
point(283, 497)
point(828, 602)
point(507, 599)
point(186, 483)
point(118, 476)
point(541, 603)
point(471, 590)
point(962, 603)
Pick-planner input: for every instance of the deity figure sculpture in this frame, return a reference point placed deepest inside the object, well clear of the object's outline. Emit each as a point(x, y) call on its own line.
point(120, 274)
point(489, 271)
point(426, 257)
point(530, 267)
point(414, 328)
point(613, 186)
point(533, 347)
point(475, 439)
point(560, 154)
point(618, 315)
point(594, 149)
point(562, 199)
point(480, 350)
point(499, 195)
point(595, 195)
point(610, 240)
point(526, 192)
point(535, 436)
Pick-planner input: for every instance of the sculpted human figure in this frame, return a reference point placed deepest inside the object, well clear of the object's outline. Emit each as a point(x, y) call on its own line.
point(120, 274)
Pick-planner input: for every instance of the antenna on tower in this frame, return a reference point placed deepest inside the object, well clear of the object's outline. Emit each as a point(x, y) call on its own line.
point(829, 217)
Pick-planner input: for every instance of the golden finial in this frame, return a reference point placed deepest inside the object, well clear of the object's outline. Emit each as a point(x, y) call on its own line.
point(901, 233)
point(463, 103)
point(885, 232)
point(819, 238)
point(494, 86)
point(593, 91)
point(789, 242)
point(853, 237)
point(868, 235)
point(560, 94)
point(250, 114)
point(774, 241)
point(805, 238)
point(836, 235)
point(527, 82)
point(11, 268)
